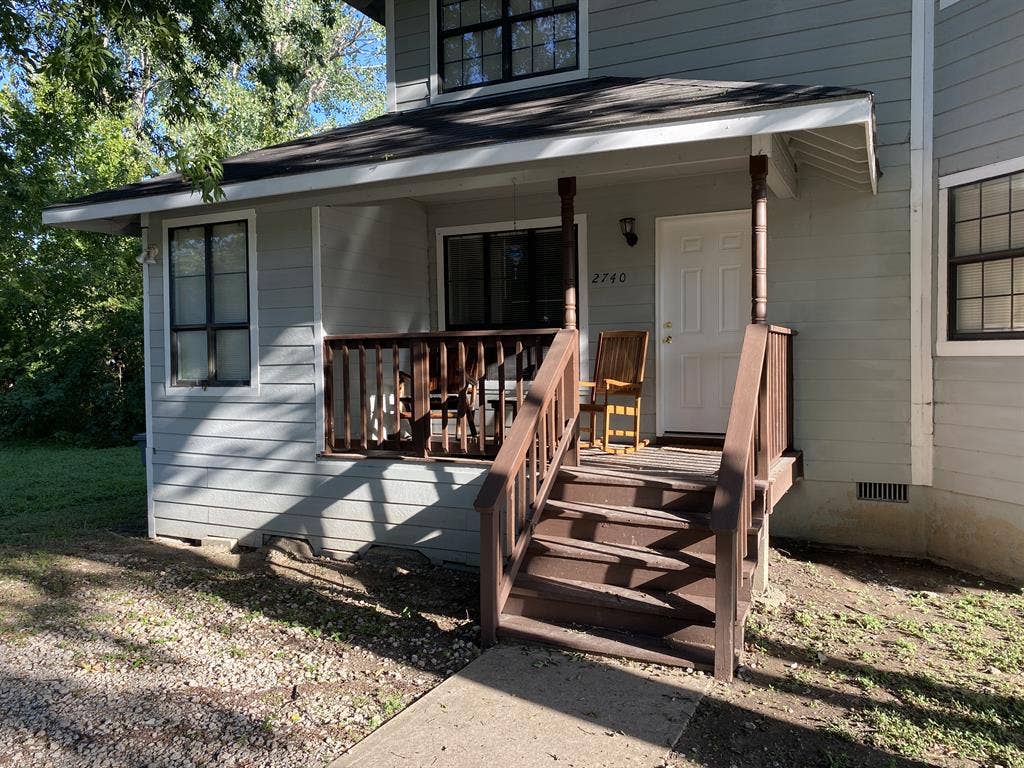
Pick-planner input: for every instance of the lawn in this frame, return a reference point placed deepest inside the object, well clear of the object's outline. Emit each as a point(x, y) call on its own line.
point(860, 660)
point(55, 492)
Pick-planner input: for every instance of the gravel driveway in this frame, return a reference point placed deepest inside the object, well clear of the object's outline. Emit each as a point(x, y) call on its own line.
point(126, 652)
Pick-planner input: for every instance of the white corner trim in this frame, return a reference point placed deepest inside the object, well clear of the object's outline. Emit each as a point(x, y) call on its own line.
point(580, 73)
point(249, 215)
point(390, 54)
point(921, 196)
point(975, 348)
point(943, 4)
point(319, 430)
point(853, 111)
point(147, 376)
point(582, 267)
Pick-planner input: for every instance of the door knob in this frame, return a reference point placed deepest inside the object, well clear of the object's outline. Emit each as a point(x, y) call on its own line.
point(667, 340)
point(668, 324)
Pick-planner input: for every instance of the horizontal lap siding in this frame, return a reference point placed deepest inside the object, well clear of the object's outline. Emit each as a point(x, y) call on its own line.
point(244, 465)
point(411, 29)
point(979, 119)
point(979, 84)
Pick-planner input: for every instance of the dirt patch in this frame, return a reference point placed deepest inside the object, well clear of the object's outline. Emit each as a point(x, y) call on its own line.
point(122, 651)
point(856, 660)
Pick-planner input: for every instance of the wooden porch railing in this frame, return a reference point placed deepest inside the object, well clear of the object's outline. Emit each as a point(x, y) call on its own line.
point(543, 437)
point(427, 394)
point(760, 430)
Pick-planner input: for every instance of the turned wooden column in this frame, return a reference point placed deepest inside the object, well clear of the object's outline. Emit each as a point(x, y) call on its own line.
point(759, 239)
point(567, 192)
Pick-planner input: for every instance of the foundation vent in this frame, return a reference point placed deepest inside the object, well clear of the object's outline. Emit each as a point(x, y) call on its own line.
point(892, 492)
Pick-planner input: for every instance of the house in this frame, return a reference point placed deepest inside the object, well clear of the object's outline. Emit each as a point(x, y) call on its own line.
point(377, 336)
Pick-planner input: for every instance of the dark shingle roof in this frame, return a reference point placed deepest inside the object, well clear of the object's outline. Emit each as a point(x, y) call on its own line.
point(581, 107)
point(372, 8)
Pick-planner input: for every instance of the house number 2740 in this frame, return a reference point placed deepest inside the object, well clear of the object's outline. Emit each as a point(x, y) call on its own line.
point(608, 277)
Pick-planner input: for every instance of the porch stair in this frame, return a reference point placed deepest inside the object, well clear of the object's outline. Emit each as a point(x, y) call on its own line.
point(656, 557)
point(623, 565)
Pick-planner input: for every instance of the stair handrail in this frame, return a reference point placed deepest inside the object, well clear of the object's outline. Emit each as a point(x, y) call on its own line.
point(542, 438)
point(758, 431)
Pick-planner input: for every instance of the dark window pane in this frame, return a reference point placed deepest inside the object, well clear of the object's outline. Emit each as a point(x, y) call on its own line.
point(550, 288)
point(232, 350)
point(465, 280)
point(510, 278)
point(227, 246)
point(188, 251)
point(193, 364)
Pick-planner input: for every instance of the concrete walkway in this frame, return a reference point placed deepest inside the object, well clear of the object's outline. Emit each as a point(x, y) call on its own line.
point(525, 706)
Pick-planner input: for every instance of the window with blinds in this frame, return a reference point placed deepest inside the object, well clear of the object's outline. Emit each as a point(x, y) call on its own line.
point(986, 264)
point(504, 280)
point(209, 303)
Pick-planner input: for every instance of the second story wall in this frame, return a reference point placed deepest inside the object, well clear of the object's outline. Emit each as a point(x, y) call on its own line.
point(979, 84)
point(409, 45)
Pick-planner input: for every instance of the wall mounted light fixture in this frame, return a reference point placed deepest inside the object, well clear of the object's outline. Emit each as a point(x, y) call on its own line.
point(628, 227)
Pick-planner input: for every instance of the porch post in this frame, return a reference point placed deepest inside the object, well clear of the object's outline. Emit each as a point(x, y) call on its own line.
point(759, 239)
point(567, 191)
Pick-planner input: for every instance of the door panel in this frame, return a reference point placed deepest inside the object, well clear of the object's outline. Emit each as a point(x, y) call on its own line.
point(704, 307)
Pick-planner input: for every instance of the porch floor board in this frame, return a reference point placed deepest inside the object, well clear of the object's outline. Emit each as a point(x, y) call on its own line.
point(668, 462)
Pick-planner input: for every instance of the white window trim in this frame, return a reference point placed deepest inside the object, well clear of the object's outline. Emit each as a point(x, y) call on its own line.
point(581, 73)
point(981, 347)
point(249, 216)
point(582, 288)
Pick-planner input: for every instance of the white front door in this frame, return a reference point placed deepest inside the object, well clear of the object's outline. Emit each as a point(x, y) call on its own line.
point(703, 279)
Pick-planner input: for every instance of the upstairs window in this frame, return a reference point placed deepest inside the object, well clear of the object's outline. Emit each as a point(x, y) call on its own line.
point(209, 304)
point(504, 280)
point(986, 264)
point(493, 41)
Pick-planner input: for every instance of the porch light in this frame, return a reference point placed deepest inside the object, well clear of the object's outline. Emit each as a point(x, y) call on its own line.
point(628, 226)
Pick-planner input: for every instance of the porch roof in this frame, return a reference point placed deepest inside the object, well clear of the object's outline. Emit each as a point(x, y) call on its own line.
point(606, 114)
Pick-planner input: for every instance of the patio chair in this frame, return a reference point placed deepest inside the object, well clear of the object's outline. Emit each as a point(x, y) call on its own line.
point(618, 373)
point(461, 399)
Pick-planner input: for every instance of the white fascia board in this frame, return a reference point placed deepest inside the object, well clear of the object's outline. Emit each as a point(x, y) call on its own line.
point(852, 111)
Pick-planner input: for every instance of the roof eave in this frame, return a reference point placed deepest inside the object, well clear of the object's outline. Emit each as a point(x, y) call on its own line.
point(853, 110)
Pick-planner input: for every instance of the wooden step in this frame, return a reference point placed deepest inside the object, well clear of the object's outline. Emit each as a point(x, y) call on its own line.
point(607, 642)
point(614, 487)
point(673, 531)
point(625, 565)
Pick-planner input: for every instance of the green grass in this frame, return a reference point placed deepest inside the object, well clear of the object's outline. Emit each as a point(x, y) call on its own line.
point(54, 492)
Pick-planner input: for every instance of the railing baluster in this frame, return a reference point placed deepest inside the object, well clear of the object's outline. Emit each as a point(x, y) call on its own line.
point(328, 397)
point(499, 417)
point(519, 378)
point(346, 396)
point(443, 376)
point(481, 402)
point(463, 428)
point(396, 382)
point(380, 394)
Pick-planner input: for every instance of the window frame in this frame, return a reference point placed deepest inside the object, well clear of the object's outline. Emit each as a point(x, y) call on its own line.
point(211, 386)
point(438, 95)
point(950, 343)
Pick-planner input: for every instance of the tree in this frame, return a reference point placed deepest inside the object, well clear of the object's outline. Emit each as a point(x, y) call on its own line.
point(70, 302)
point(178, 64)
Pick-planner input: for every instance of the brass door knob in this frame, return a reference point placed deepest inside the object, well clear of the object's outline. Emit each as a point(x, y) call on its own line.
point(667, 340)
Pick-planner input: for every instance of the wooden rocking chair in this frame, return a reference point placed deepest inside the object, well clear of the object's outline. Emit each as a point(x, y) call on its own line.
point(618, 372)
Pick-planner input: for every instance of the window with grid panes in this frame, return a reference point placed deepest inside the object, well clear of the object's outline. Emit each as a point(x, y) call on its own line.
point(986, 259)
point(493, 41)
point(209, 303)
